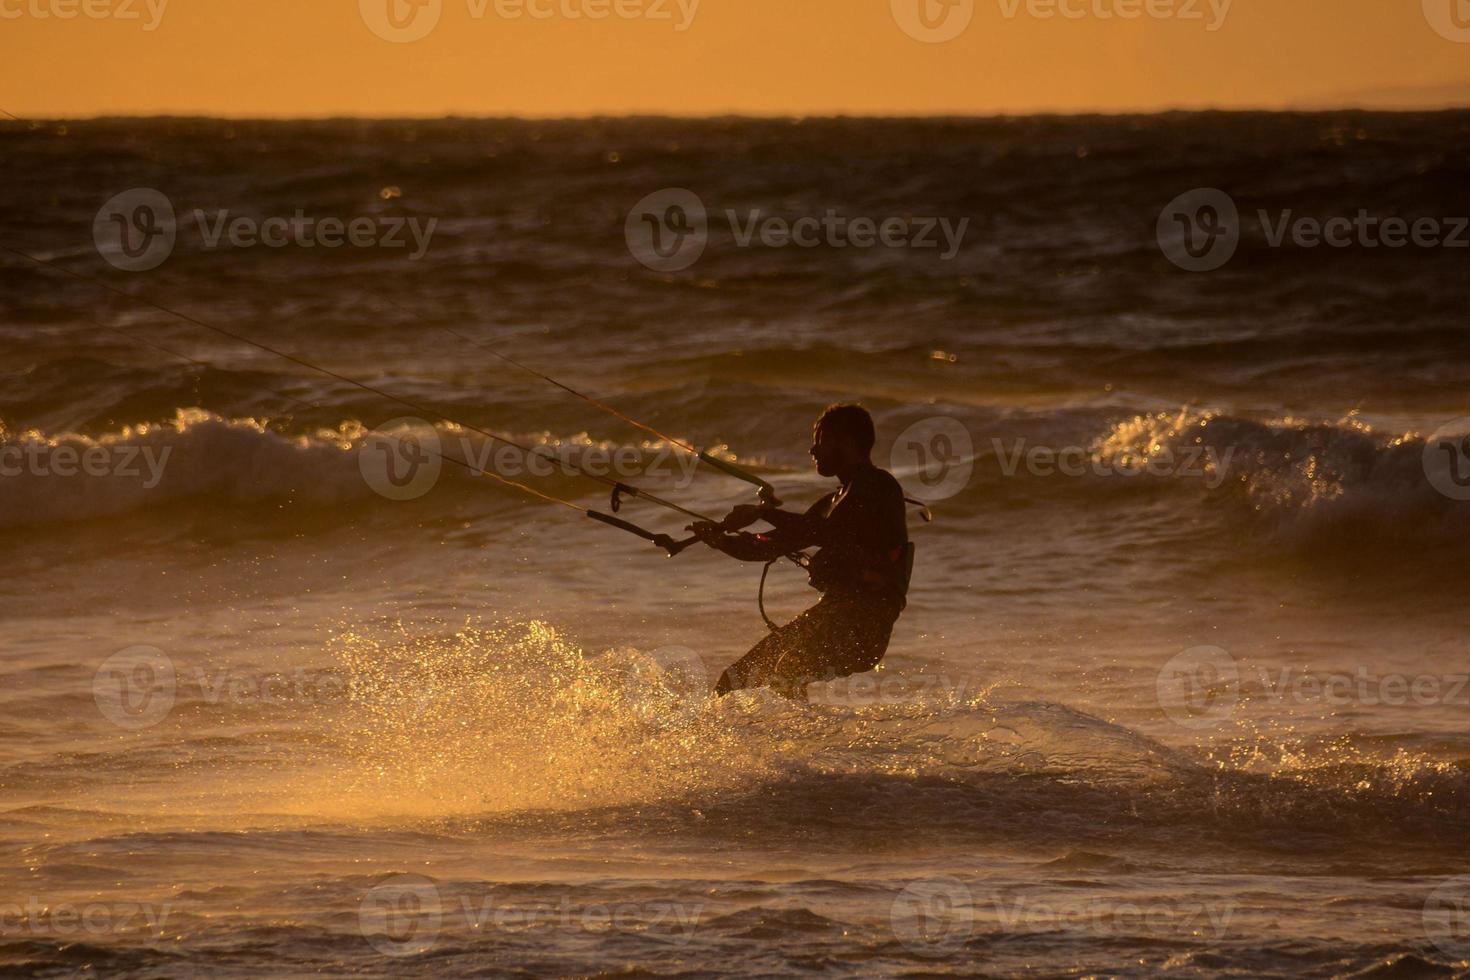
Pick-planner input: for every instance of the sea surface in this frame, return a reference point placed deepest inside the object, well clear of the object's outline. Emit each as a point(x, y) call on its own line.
point(292, 687)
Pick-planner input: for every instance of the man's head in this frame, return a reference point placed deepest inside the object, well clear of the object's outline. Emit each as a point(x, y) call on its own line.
point(842, 440)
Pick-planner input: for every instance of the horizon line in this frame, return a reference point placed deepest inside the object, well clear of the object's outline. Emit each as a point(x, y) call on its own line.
point(1308, 109)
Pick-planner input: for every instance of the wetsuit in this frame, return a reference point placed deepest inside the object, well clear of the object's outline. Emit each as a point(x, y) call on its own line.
point(861, 572)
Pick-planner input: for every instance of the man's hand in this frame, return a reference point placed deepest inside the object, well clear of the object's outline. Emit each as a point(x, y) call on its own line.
point(709, 532)
point(743, 516)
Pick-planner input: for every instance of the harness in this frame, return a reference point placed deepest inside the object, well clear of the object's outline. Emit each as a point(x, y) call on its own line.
point(901, 557)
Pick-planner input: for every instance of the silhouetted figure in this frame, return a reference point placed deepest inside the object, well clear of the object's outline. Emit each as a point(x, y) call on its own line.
point(862, 569)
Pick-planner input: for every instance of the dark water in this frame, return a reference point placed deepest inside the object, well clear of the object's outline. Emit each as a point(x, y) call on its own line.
point(1182, 684)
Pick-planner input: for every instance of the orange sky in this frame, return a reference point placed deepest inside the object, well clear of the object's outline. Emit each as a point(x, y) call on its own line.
point(320, 57)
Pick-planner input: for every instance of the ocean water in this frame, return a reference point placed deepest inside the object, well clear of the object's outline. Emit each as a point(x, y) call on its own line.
point(1182, 685)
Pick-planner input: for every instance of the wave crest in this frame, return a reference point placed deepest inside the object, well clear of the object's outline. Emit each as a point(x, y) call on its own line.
point(1307, 484)
point(232, 462)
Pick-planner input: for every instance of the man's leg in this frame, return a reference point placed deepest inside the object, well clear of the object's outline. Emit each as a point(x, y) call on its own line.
point(828, 640)
point(835, 638)
point(757, 668)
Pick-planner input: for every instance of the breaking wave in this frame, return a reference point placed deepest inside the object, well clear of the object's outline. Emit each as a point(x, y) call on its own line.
point(241, 462)
point(1307, 483)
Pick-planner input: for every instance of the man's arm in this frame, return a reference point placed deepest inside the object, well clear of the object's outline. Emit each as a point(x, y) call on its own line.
point(754, 547)
point(782, 520)
point(793, 532)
